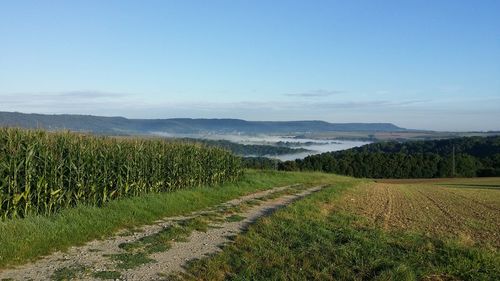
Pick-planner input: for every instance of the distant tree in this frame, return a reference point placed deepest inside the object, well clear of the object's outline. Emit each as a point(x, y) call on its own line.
point(474, 156)
point(289, 166)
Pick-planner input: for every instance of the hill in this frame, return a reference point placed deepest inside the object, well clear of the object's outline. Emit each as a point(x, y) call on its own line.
point(124, 126)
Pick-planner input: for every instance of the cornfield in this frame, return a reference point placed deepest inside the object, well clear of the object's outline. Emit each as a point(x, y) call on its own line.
point(43, 172)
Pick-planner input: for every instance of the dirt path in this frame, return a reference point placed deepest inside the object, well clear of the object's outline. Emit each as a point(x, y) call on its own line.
point(155, 251)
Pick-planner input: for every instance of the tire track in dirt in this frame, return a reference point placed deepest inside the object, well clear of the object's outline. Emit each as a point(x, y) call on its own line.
point(425, 214)
point(94, 256)
point(487, 206)
point(478, 222)
point(387, 211)
point(441, 207)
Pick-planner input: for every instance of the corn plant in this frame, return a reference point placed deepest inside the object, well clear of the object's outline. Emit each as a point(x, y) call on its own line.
point(44, 172)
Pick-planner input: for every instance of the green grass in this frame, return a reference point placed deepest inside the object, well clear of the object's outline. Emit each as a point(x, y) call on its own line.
point(68, 273)
point(311, 240)
point(131, 260)
point(138, 251)
point(234, 218)
point(161, 241)
point(25, 239)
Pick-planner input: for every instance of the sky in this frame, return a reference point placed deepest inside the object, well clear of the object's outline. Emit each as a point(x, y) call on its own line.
point(418, 64)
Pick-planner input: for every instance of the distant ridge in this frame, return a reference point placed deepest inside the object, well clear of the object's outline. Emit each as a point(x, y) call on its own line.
point(124, 126)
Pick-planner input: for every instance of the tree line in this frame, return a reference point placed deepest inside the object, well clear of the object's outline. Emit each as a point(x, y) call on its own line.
point(459, 157)
point(258, 150)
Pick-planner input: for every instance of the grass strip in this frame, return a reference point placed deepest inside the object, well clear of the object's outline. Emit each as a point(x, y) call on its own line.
point(312, 240)
point(131, 260)
point(234, 218)
point(68, 273)
point(161, 241)
point(179, 231)
point(34, 236)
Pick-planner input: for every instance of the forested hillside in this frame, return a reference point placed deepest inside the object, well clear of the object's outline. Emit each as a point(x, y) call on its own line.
point(124, 126)
point(473, 156)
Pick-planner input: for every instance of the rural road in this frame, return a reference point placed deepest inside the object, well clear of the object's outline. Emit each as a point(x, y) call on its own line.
point(94, 260)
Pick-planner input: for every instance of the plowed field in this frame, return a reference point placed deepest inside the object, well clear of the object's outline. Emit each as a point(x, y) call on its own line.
point(465, 209)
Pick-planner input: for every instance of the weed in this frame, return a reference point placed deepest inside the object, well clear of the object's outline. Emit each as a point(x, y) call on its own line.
point(68, 273)
point(234, 218)
point(131, 260)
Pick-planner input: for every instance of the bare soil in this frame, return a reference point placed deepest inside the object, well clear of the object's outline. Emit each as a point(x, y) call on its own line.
point(471, 215)
point(477, 182)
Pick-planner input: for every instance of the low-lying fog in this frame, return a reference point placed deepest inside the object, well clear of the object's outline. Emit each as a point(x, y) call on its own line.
point(314, 146)
point(319, 147)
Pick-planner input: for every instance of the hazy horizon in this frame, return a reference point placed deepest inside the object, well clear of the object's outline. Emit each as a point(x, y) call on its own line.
point(251, 120)
point(414, 64)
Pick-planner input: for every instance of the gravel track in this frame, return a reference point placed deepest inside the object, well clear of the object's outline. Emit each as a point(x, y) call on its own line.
point(94, 256)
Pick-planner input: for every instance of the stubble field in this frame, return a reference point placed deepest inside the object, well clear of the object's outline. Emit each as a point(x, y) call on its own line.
point(465, 209)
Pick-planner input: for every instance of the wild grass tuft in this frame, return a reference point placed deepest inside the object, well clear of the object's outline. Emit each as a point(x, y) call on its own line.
point(131, 260)
point(68, 273)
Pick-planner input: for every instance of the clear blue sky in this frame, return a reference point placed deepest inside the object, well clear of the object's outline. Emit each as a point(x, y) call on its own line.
point(418, 64)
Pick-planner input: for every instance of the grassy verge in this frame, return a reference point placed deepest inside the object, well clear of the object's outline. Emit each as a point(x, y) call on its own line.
point(26, 239)
point(312, 240)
